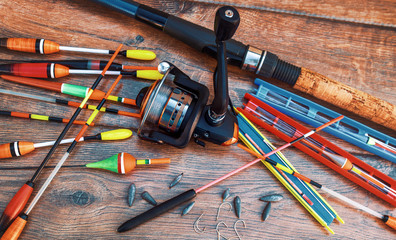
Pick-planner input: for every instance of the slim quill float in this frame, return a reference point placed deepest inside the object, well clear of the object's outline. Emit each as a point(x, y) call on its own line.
point(87, 64)
point(20, 148)
point(70, 103)
point(43, 46)
point(39, 117)
point(70, 89)
point(53, 70)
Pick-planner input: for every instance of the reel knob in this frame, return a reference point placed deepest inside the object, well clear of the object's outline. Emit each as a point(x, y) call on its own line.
point(226, 23)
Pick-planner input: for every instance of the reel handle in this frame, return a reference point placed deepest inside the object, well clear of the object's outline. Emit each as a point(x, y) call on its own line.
point(226, 23)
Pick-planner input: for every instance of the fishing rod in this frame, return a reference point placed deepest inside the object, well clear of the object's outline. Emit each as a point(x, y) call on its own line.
point(388, 220)
point(70, 89)
point(39, 117)
point(43, 46)
point(69, 103)
point(262, 62)
point(87, 64)
point(53, 70)
point(18, 202)
point(190, 194)
point(20, 148)
point(18, 225)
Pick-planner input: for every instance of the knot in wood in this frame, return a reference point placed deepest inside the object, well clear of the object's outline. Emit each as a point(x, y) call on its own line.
point(80, 198)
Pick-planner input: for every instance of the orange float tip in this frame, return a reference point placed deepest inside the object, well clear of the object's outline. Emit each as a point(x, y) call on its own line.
point(330, 123)
point(16, 228)
point(15, 149)
point(60, 71)
point(157, 160)
point(30, 45)
point(16, 205)
point(97, 95)
point(390, 221)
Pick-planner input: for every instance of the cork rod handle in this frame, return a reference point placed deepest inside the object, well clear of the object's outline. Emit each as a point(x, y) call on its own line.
point(346, 97)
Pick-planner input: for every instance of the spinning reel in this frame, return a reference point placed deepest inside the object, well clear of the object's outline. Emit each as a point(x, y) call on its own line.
point(174, 109)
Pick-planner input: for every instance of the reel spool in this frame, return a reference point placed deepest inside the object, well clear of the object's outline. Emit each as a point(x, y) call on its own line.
point(170, 107)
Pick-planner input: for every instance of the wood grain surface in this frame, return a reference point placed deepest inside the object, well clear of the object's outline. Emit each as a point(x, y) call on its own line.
point(87, 203)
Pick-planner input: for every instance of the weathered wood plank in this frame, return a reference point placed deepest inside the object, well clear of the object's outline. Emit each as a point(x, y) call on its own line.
point(381, 13)
point(87, 203)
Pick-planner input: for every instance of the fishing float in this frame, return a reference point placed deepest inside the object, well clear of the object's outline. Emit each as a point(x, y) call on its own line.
point(69, 103)
point(190, 194)
point(19, 223)
point(18, 202)
point(39, 117)
point(53, 70)
point(65, 88)
point(20, 148)
point(43, 46)
point(124, 163)
point(388, 220)
point(88, 64)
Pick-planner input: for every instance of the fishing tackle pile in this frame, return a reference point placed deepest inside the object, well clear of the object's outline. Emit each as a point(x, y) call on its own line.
point(175, 109)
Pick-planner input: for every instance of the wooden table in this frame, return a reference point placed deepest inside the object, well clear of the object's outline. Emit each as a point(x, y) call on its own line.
point(85, 203)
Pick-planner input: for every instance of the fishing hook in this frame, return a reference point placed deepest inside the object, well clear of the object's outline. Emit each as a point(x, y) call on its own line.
point(218, 210)
point(235, 229)
point(219, 236)
point(196, 227)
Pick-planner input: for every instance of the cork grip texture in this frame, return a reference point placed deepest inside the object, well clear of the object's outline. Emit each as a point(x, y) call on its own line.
point(343, 96)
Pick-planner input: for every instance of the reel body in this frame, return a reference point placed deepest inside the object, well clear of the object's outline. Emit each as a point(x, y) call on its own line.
point(173, 110)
